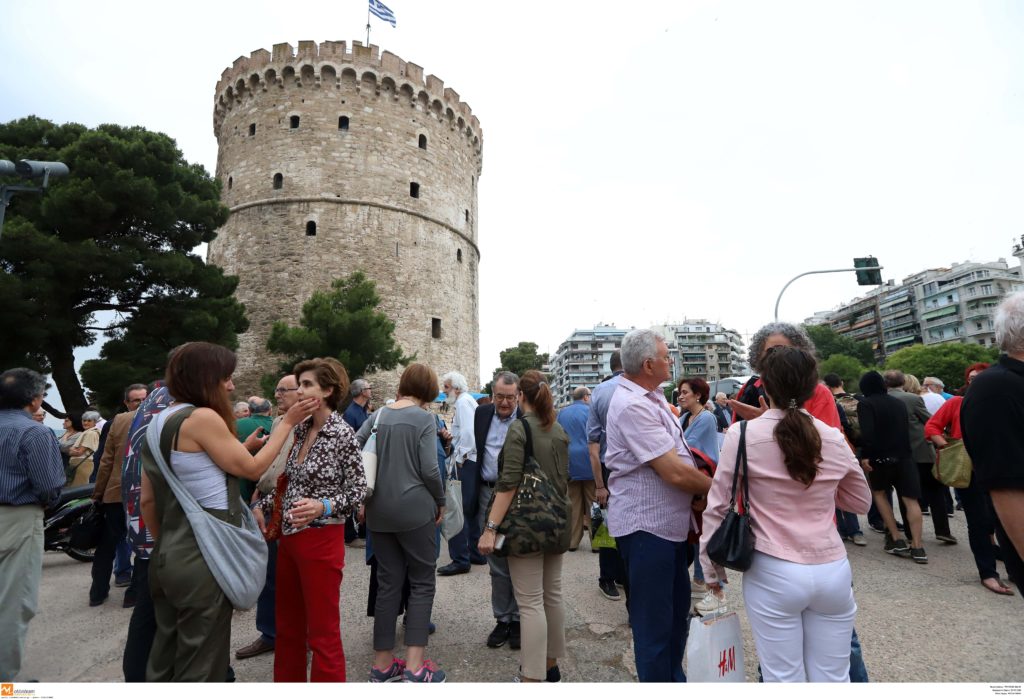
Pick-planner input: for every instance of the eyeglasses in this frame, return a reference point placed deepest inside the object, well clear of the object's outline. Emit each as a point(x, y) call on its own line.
point(281, 391)
point(500, 397)
point(135, 400)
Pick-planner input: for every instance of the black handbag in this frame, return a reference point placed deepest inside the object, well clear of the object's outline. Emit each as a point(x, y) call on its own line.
point(537, 521)
point(87, 531)
point(732, 544)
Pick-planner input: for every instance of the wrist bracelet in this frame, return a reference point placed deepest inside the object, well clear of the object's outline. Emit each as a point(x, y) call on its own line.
point(327, 507)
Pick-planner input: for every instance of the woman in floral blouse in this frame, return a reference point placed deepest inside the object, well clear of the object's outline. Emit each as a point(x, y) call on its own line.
point(322, 482)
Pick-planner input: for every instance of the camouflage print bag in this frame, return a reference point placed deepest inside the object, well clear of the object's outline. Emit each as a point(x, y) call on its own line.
point(537, 521)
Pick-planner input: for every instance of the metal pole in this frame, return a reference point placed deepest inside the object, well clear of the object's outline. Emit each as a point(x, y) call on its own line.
point(367, 25)
point(819, 271)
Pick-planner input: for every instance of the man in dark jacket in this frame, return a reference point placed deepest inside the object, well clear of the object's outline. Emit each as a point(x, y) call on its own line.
point(886, 457)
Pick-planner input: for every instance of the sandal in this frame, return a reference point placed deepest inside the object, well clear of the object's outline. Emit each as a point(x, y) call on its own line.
point(999, 588)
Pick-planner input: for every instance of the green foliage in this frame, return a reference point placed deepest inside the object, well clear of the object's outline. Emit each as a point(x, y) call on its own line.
point(829, 342)
point(849, 369)
point(343, 323)
point(116, 235)
point(946, 361)
point(521, 358)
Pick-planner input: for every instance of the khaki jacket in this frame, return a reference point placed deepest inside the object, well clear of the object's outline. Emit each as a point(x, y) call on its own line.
point(108, 480)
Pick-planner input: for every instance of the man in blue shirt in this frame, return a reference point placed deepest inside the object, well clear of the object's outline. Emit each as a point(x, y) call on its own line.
point(573, 419)
point(355, 415)
point(31, 476)
point(612, 569)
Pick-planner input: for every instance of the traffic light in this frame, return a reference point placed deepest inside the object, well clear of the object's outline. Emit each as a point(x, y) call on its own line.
point(865, 275)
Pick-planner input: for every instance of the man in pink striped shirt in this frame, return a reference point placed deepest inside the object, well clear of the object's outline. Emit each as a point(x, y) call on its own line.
point(653, 487)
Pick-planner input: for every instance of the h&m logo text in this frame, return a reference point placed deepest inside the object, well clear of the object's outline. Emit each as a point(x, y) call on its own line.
point(728, 661)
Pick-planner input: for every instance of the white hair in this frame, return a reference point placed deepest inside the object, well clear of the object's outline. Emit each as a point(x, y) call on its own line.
point(637, 347)
point(457, 380)
point(1009, 323)
point(91, 415)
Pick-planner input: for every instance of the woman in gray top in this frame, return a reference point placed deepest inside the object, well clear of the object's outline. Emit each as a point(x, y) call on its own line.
point(402, 515)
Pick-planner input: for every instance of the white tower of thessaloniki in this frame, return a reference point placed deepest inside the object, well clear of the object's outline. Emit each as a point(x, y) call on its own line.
point(335, 160)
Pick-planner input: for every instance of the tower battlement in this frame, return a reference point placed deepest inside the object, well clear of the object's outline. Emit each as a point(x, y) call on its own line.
point(331, 65)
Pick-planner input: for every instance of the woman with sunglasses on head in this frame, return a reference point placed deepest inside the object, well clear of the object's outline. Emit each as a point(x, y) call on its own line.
point(193, 615)
point(797, 590)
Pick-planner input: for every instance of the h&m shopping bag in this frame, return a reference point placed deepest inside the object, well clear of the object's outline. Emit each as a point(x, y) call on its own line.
point(714, 649)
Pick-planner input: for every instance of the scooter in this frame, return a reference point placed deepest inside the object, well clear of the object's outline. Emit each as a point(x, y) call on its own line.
point(62, 516)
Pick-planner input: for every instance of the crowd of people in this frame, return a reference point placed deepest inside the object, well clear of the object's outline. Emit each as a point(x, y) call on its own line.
point(223, 506)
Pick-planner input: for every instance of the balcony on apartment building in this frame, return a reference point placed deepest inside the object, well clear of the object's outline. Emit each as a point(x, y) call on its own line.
point(941, 315)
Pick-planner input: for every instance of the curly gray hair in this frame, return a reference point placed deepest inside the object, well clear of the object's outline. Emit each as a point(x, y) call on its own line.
point(794, 333)
point(1009, 323)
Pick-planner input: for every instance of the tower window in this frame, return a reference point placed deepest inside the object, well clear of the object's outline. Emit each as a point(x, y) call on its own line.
point(423, 142)
point(414, 190)
point(435, 328)
point(458, 255)
point(278, 180)
point(467, 215)
point(343, 123)
point(252, 129)
point(310, 228)
point(294, 122)
point(231, 182)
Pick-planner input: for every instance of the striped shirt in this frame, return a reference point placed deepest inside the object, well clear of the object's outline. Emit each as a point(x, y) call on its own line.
point(641, 427)
point(31, 470)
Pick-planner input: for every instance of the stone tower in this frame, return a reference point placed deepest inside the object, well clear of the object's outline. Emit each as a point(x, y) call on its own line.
point(333, 161)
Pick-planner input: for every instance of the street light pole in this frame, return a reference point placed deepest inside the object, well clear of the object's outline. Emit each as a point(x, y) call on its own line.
point(819, 271)
point(29, 169)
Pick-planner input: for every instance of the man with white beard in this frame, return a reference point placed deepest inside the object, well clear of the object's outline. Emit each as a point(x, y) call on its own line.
point(456, 390)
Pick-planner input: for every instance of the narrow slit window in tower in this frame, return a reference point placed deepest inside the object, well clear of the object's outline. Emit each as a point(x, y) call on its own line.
point(458, 255)
point(252, 129)
point(310, 228)
point(278, 180)
point(435, 328)
point(423, 142)
point(295, 122)
point(467, 215)
point(231, 181)
point(414, 190)
point(343, 123)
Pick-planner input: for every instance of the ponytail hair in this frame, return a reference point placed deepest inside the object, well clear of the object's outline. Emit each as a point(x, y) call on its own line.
point(790, 376)
point(534, 386)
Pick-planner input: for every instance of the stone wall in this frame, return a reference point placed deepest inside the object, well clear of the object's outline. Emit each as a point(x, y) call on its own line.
point(368, 126)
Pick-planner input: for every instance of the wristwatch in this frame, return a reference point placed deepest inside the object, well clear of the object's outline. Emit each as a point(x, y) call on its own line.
point(493, 526)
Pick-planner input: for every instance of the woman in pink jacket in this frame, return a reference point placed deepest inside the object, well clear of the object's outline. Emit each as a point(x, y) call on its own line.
point(798, 589)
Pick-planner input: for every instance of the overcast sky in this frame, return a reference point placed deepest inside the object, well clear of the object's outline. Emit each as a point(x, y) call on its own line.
point(643, 162)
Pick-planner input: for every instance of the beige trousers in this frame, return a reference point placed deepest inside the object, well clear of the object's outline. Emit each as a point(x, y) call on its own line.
point(537, 582)
point(21, 568)
point(581, 494)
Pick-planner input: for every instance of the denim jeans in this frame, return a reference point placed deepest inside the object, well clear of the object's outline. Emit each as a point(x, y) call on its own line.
point(858, 672)
point(659, 604)
point(847, 523)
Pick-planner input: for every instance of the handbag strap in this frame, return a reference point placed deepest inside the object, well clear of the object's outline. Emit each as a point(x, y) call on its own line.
point(160, 444)
point(528, 447)
point(740, 471)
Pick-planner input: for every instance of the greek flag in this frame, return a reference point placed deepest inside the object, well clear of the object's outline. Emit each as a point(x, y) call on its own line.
point(380, 10)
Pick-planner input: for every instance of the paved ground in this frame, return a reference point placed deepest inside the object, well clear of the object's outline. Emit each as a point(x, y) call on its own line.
point(932, 623)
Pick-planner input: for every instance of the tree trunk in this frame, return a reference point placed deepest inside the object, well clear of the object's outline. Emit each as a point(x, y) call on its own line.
point(66, 378)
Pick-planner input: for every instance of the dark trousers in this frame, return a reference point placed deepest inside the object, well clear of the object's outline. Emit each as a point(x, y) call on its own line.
point(141, 628)
point(404, 558)
point(981, 525)
point(463, 545)
point(115, 529)
point(265, 608)
point(659, 604)
point(934, 495)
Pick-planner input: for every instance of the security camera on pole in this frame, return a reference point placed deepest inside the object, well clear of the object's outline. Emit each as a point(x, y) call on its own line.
point(31, 170)
point(869, 273)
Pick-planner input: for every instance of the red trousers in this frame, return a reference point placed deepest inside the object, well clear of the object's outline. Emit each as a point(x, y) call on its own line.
point(309, 566)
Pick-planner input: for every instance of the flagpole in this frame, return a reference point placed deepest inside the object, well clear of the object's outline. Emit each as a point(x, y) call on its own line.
point(367, 25)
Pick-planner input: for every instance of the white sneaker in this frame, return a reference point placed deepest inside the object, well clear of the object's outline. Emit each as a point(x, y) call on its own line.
point(697, 590)
point(710, 603)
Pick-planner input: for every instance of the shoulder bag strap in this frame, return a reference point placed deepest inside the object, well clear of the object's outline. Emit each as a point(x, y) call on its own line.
point(160, 443)
point(743, 456)
point(528, 447)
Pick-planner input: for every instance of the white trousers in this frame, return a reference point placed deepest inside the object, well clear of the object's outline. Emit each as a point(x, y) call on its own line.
point(802, 618)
